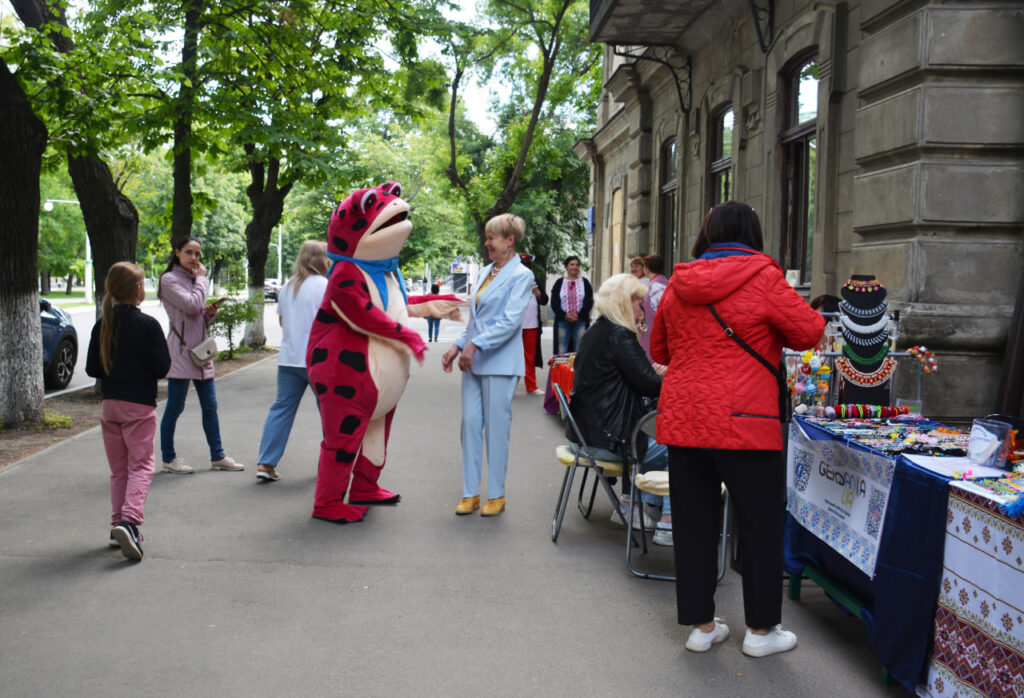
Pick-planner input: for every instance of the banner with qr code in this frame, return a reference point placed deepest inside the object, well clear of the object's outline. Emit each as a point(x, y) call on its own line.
point(839, 494)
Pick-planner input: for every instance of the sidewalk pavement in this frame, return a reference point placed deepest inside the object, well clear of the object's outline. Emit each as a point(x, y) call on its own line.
point(242, 593)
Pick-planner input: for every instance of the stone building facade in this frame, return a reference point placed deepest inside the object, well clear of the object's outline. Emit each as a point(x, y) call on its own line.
point(871, 136)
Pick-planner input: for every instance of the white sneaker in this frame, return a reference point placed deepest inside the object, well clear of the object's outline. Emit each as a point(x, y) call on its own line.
point(777, 640)
point(649, 521)
point(700, 641)
point(663, 536)
point(226, 463)
point(177, 466)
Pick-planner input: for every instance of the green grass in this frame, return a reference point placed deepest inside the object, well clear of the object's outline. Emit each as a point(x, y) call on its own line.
point(53, 420)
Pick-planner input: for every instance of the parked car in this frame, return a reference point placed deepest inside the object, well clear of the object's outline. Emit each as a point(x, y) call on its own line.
point(60, 345)
point(271, 289)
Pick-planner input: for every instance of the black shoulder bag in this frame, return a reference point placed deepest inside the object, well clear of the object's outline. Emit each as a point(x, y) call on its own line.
point(785, 404)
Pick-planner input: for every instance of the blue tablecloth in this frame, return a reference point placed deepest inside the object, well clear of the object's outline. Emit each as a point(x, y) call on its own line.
point(899, 603)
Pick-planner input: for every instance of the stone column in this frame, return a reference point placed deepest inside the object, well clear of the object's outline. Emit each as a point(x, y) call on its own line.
point(939, 196)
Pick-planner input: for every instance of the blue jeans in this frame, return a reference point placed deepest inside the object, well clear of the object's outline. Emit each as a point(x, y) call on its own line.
point(433, 327)
point(291, 385)
point(177, 390)
point(569, 334)
point(656, 459)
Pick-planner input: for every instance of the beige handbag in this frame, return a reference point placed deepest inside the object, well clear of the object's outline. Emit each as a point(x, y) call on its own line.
point(202, 353)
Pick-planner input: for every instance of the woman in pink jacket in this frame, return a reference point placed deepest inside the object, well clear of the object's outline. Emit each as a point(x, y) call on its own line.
point(720, 419)
point(183, 290)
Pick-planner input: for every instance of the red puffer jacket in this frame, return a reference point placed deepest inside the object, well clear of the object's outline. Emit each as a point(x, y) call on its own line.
point(715, 394)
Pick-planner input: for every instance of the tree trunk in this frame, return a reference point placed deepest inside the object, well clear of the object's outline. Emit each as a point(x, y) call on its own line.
point(70, 282)
point(22, 141)
point(267, 201)
point(110, 218)
point(181, 201)
point(44, 283)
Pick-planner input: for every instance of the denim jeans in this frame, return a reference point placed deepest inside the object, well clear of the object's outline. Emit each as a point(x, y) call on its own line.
point(569, 334)
point(433, 327)
point(292, 382)
point(656, 459)
point(177, 391)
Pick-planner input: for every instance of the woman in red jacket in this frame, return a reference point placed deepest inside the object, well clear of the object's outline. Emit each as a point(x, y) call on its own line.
point(720, 418)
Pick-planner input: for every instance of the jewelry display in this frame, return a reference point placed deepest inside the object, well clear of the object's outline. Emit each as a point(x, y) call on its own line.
point(865, 341)
point(877, 356)
point(865, 380)
point(869, 286)
point(928, 362)
point(864, 329)
point(870, 312)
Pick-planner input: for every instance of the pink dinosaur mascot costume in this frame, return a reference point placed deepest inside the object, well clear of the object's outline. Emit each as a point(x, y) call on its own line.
point(359, 350)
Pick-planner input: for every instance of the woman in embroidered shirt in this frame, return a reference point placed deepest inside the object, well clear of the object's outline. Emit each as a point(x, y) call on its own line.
point(572, 297)
point(183, 290)
point(490, 356)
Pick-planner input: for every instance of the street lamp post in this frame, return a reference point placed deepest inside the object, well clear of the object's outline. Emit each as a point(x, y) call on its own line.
point(48, 206)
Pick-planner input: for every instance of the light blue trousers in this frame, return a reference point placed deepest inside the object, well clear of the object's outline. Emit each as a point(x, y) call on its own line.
point(292, 382)
point(486, 416)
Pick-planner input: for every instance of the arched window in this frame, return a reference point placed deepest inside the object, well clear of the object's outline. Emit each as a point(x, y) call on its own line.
point(799, 147)
point(720, 167)
point(668, 200)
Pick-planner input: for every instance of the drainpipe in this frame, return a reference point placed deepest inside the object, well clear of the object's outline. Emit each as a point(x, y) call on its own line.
point(1011, 388)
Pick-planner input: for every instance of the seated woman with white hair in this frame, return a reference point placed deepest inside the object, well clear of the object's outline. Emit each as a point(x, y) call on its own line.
point(612, 374)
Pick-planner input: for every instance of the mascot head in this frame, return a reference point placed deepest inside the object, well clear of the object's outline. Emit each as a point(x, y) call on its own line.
point(370, 224)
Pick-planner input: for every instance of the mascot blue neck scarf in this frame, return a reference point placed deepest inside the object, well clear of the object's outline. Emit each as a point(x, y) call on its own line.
point(377, 269)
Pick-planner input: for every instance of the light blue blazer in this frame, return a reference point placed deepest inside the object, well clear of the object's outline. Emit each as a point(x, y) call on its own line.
point(495, 321)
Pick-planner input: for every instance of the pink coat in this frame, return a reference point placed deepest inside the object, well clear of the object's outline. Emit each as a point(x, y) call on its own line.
point(184, 299)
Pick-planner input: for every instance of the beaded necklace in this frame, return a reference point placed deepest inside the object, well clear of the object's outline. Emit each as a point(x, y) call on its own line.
point(848, 350)
point(860, 312)
point(864, 329)
point(865, 380)
point(864, 286)
point(865, 341)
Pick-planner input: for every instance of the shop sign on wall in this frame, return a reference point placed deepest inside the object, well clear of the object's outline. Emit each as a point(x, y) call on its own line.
point(839, 494)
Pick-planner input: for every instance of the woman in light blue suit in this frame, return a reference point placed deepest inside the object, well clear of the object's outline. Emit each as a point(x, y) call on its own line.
point(490, 355)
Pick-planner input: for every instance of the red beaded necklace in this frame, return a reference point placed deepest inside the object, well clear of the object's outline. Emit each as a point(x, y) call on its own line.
point(865, 380)
point(858, 286)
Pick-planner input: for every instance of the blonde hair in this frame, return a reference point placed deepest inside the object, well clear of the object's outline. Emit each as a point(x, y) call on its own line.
point(507, 225)
point(123, 279)
point(614, 300)
point(312, 261)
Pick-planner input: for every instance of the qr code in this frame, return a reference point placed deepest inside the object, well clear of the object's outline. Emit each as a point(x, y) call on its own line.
point(876, 510)
point(802, 471)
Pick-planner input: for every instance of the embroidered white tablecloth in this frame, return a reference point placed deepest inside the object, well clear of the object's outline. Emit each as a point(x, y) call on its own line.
point(978, 645)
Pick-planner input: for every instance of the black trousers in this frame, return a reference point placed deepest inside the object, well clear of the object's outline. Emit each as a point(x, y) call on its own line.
point(757, 484)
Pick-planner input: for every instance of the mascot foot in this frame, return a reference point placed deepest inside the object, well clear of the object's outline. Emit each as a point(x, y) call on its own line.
point(341, 514)
point(381, 496)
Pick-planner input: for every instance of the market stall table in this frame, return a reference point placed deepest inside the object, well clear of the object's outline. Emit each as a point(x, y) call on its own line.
point(560, 372)
point(978, 645)
point(897, 604)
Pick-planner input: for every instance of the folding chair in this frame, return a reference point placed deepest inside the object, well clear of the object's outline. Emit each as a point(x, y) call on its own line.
point(655, 483)
point(643, 429)
point(581, 457)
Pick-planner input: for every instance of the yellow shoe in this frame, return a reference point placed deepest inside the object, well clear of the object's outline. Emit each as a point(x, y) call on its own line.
point(493, 507)
point(467, 505)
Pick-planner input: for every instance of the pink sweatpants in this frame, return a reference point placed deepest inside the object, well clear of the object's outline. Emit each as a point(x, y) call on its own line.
point(128, 431)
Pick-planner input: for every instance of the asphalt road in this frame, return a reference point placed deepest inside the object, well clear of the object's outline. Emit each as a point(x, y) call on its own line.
point(83, 319)
point(242, 593)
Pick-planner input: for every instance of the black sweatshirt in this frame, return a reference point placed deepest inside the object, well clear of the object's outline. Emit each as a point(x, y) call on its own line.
point(140, 357)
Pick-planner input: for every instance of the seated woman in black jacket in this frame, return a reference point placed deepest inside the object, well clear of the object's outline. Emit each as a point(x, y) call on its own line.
point(612, 374)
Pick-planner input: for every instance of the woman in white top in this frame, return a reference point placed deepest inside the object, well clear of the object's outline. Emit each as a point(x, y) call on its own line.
point(296, 308)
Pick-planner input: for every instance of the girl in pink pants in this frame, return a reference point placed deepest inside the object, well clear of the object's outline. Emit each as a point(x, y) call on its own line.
point(128, 353)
